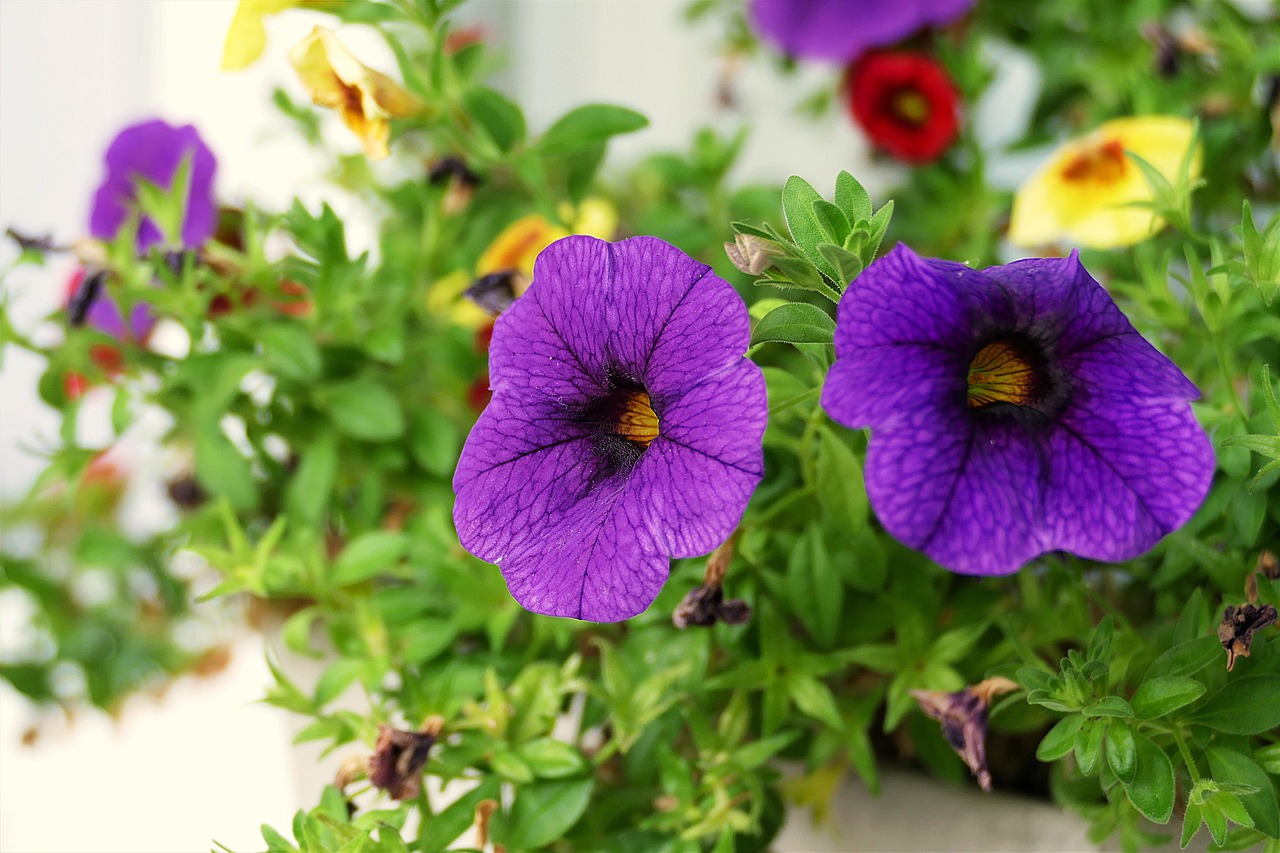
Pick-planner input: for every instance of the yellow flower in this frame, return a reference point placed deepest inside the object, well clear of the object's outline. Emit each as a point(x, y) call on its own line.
point(247, 38)
point(595, 216)
point(518, 244)
point(1081, 193)
point(366, 99)
point(444, 299)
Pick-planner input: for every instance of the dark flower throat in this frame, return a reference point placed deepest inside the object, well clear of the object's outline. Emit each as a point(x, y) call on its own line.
point(1009, 371)
point(624, 424)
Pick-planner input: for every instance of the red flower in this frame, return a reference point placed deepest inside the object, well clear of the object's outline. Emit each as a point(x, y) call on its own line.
point(906, 104)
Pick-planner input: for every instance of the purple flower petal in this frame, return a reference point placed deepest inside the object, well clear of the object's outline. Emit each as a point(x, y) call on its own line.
point(1098, 454)
point(152, 151)
point(581, 515)
point(842, 30)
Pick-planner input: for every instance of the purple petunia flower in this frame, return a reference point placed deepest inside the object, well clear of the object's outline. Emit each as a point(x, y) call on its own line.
point(842, 30)
point(89, 305)
point(625, 428)
point(1013, 411)
point(152, 151)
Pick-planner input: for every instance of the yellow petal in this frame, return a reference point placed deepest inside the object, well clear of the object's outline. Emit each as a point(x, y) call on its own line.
point(518, 245)
point(1081, 194)
point(445, 299)
point(247, 38)
point(364, 98)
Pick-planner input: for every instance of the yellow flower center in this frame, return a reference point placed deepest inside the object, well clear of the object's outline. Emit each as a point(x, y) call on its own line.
point(1003, 372)
point(634, 418)
point(911, 106)
point(1104, 163)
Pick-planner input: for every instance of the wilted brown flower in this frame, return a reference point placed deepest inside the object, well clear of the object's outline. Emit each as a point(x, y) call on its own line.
point(964, 720)
point(704, 605)
point(399, 756)
point(1238, 626)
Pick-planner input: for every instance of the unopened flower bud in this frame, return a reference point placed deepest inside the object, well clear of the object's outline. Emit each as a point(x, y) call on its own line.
point(751, 254)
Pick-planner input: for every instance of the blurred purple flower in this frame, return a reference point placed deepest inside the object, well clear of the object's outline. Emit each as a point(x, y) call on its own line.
point(1013, 411)
point(624, 429)
point(152, 151)
point(88, 304)
point(842, 30)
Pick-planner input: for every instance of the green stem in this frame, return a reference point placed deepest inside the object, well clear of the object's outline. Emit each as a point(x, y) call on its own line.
point(1186, 755)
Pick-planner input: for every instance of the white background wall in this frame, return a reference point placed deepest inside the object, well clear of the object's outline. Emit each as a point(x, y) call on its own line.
point(206, 761)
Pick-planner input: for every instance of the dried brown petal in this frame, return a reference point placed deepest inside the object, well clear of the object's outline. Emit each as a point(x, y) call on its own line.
point(963, 716)
point(1268, 566)
point(484, 811)
point(705, 605)
point(1238, 626)
point(399, 756)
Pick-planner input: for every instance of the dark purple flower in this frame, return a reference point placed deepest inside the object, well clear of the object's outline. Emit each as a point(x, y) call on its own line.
point(624, 429)
point(842, 30)
point(152, 151)
point(1013, 411)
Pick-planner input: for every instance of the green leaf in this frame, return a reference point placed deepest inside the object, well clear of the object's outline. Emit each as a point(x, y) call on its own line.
point(336, 678)
point(368, 555)
point(1191, 820)
point(1088, 745)
point(442, 829)
point(511, 766)
point(1152, 789)
point(223, 471)
point(435, 443)
point(1268, 758)
point(587, 126)
point(841, 492)
point(1109, 706)
point(758, 752)
point(289, 352)
point(1238, 768)
point(500, 119)
point(814, 590)
point(364, 410)
point(544, 812)
point(852, 198)
point(552, 759)
point(1121, 752)
point(1246, 706)
point(832, 221)
point(795, 323)
point(806, 229)
point(848, 266)
point(814, 698)
point(1160, 696)
point(1186, 658)
point(307, 495)
point(1060, 739)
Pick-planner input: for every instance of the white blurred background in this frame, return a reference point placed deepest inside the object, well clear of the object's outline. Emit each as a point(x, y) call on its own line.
point(206, 761)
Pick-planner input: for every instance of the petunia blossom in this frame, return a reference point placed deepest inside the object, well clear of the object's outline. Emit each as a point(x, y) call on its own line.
point(842, 30)
point(1013, 411)
point(1086, 191)
point(625, 428)
point(152, 151)
point(906, 104)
